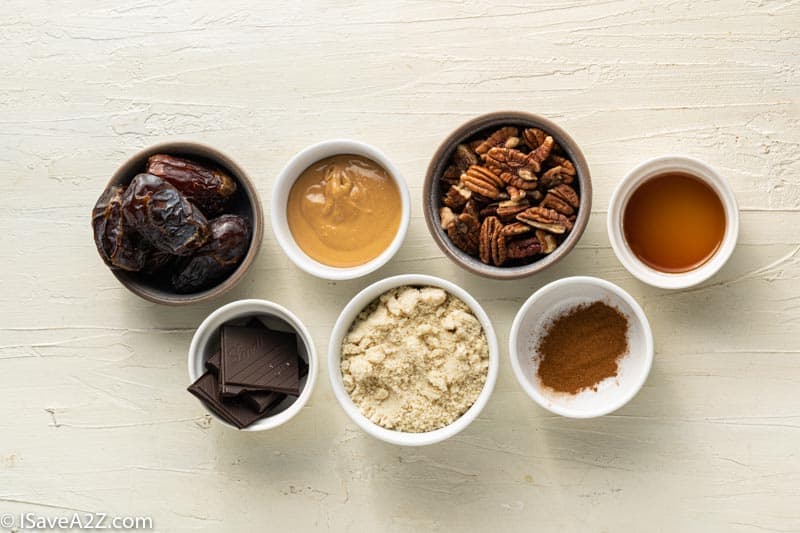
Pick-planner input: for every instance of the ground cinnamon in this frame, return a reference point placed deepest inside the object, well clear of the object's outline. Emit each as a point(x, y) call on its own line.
point(582, 347)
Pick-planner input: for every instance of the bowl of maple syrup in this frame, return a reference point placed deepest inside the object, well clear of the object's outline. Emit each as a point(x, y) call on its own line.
point(673, 222)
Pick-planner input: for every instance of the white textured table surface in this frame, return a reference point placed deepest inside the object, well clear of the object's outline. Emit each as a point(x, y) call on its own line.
point(93, 413)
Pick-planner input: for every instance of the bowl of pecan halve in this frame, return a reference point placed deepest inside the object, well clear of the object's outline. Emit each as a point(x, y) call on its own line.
point(507, 194)
point(178, 223)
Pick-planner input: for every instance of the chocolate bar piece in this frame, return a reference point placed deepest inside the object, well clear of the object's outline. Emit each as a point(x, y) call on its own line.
point(258, 359)
point(260, 401)
point(263, 401)
point(234, 411)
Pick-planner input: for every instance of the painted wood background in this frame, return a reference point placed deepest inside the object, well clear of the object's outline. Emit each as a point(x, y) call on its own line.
point(93, 411)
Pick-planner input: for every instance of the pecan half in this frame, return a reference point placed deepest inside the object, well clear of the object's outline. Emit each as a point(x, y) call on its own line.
point(542, 151)
point(516, 228)
point(523, 248)
point(456, 197)
point(488, 211)
point(499, 248)
point(547, 240)
point(533, 137)
point(464, 231)
point(482, 181)
point(558, 161)
point(509, 164)
point(508, 211)
point(519, 183)
point(546, 219)
point(464, 157)
point(490, 226)
point(504, 137)
point(556, 176)
point(562, 198)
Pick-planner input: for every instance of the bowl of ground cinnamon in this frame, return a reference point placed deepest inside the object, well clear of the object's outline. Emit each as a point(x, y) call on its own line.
point(581, 347)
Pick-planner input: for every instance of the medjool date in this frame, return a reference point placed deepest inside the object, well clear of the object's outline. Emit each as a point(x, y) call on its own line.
point(207, 188)
point(118, 245)
point(163, 216)
point(225, 248)
point(157, 261)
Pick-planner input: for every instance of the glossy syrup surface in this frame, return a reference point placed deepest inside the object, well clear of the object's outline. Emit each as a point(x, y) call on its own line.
point(674, 222)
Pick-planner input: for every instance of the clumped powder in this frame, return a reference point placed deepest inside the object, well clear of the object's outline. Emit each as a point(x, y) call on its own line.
point(582, 347)
point(415, 359)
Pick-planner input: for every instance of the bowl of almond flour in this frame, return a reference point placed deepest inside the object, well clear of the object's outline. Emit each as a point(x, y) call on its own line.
point(413, 359)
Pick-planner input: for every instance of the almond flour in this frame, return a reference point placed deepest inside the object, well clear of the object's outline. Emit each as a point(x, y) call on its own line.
point(415, 359)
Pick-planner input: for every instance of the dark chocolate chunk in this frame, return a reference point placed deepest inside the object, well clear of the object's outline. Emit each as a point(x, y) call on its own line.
point(258, 401)
point(235, 411)
point(263, 401)
point(258, 359)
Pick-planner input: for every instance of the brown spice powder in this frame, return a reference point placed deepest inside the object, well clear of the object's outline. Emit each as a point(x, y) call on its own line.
point(582, 347)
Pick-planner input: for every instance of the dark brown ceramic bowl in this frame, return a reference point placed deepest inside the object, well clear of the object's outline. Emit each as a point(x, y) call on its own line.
point(481, 126)
point(245, 203)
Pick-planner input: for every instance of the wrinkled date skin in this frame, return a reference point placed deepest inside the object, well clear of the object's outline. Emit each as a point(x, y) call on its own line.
point(207, 188)
point(118, 244)
point(163, 216)
point(225, 248)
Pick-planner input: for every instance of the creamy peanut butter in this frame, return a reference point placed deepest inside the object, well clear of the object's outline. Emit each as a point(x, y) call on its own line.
point(344, 210)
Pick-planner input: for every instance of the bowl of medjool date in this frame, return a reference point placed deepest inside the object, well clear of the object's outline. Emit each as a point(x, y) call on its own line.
point(178, 223)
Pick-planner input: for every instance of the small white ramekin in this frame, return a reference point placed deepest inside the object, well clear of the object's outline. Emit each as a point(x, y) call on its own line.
point(274, 315)
point(647, 170)
point(280, 196)
point(556, 298)
point(342, 326)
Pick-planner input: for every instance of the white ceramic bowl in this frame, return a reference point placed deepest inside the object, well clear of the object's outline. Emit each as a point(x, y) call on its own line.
point(280, 196)
point(647, 170)
point(345, 320)
point(206, 341)
point(554, 299)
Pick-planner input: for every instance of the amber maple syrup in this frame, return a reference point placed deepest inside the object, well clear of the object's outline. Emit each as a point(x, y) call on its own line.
point(674, 222)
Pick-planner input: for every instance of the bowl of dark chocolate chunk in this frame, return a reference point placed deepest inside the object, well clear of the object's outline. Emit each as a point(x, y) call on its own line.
point(178, 223)
point(252, 365)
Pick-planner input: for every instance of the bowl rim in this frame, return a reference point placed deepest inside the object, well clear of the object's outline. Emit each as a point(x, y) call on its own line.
point(203, 150)
point(559, 284)
point(486, 121)
point(247, 307)
point(280, 193)
point(646, 170)
point(342, 326)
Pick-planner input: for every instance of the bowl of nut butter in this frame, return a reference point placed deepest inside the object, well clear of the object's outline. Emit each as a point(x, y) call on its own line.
point(340, 209)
